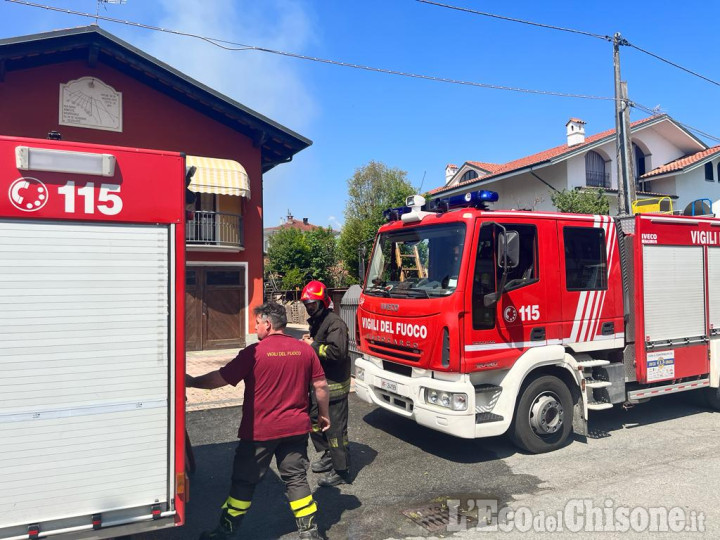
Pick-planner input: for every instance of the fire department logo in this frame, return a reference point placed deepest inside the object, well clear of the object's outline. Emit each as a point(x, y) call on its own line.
point(28, 194)
point(510, 314)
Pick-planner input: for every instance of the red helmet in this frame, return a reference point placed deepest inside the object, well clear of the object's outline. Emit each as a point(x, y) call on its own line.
point(315, 291)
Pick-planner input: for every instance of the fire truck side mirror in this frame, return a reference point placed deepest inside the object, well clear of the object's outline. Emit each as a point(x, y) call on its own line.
point(189, 195)
point(508, 253)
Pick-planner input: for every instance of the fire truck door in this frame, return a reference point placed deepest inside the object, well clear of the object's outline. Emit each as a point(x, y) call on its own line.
point(589, 263)
point(524, 316)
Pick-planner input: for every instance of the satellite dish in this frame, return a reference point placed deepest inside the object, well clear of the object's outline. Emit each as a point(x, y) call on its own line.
point(699, 207)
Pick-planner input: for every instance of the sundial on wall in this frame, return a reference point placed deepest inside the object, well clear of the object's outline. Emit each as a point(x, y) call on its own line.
point(90, 103)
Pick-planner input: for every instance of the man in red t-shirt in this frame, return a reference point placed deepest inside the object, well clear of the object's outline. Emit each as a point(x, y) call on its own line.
point(278, 372)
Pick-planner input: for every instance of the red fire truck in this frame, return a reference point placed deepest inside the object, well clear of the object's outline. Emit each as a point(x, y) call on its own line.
point(476, 322)
point(91, 340)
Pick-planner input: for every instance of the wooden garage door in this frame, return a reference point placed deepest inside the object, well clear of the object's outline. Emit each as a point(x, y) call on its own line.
point(215, 308)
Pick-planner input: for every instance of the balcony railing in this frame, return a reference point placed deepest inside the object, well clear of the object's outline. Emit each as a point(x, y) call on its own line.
point(215, 229)
point(597, 179)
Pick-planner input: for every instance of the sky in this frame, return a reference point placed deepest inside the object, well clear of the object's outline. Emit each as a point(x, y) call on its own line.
point(354, 116)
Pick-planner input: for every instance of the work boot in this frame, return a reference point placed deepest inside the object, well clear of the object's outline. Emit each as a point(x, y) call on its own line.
point(226, 529)
point(335, 478)
point(307, 528)
point(323, 464)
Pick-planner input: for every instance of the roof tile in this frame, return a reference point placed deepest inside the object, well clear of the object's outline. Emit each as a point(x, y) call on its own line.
point(682, 163)
point(540, 157)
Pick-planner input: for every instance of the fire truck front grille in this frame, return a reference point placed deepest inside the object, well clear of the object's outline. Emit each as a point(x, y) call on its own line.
point(397, 351)
point(405, 371)
point(401, 402)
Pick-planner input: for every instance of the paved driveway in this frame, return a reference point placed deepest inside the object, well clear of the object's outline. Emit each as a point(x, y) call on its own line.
point(662, 453)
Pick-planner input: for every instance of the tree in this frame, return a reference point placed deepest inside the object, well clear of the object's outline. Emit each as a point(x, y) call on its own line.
point(298, 256)
point(373, 188)
point(289, 256)
point(323, 254)
point(576, 201)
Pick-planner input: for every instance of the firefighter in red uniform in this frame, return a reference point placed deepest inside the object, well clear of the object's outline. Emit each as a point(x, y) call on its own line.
point(278, 371)
point(329, 338)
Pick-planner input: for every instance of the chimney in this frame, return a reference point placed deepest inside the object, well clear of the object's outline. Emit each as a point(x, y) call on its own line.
point(450, 171)
point(575, 131)
point(305, 221)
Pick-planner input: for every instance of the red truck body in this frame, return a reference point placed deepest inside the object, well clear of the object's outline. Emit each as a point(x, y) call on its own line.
point(592, 311)
point(92, 360)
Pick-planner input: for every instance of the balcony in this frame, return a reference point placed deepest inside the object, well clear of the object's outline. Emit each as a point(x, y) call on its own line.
point(215, 229)
point(597, 179)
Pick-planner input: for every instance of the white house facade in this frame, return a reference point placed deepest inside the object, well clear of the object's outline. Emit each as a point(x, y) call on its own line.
point(667, 160)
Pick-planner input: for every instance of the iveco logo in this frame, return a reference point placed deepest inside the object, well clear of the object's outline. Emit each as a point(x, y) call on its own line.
point(390, 307)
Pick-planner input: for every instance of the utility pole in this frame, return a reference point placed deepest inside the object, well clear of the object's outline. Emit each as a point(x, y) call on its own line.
point(627, 141)
point(626, 181)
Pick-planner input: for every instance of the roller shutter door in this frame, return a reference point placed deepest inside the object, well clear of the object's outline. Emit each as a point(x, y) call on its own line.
point(84, 370)
point(674, 292)
point(714, 287)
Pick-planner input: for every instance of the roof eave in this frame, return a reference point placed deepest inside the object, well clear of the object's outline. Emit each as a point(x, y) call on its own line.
point(278, 143)
point(456, 190)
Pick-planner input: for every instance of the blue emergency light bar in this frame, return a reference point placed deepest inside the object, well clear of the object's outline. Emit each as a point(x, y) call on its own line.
point(473, 199)
point(393, 214)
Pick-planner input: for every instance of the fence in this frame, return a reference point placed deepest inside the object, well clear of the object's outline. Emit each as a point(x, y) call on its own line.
point(215, 228)
point(345, 302)
point(348, 311)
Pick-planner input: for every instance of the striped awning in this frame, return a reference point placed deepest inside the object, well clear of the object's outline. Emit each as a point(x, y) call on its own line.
point(220, 176)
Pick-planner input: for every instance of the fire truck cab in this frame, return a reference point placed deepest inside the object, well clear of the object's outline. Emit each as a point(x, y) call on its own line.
point(477, 323)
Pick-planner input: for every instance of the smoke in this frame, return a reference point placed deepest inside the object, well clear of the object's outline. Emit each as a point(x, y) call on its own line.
point(269, 84)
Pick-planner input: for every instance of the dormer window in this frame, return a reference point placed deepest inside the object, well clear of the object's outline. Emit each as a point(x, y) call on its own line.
point(469, 175)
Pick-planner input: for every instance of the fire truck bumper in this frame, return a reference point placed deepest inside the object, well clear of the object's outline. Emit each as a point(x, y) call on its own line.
point(408, 397)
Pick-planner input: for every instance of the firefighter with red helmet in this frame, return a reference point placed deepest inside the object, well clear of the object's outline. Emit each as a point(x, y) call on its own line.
point(329, 337)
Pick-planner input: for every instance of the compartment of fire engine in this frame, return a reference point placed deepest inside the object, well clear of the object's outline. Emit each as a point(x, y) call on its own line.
point(675, 344)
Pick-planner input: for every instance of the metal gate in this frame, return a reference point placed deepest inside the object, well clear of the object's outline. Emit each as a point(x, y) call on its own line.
point(348, 312)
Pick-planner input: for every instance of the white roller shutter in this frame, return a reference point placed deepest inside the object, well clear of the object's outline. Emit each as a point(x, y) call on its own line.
point(714, 287)
point(84, 369)
point(674, 295)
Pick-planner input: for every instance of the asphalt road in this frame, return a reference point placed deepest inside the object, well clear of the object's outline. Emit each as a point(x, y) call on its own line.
point(663, 453)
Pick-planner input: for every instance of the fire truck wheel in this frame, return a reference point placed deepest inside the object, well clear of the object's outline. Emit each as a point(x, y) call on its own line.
point(543, 415)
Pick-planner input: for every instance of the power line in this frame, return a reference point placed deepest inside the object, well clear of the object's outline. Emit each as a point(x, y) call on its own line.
point(234, 46)
point(674, 64)
point(648, 110)
point(513, 19)
point(570, 30)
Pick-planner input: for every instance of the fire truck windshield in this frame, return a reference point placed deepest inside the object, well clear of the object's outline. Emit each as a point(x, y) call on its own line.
point(418, 262)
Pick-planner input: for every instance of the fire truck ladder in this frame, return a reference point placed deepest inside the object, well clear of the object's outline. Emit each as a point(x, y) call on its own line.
point(405, 271)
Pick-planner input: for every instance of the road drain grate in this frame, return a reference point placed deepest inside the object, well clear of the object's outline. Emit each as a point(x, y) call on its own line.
point(435, 517)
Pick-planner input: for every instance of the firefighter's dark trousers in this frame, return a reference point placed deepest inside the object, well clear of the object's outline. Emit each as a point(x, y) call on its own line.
point(252, 460)
point(335, 439)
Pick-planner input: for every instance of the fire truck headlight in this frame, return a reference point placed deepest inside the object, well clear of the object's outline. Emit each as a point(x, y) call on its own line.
point(448, 400)
point(459, 402)
point(445, 399)
point(359, 373)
